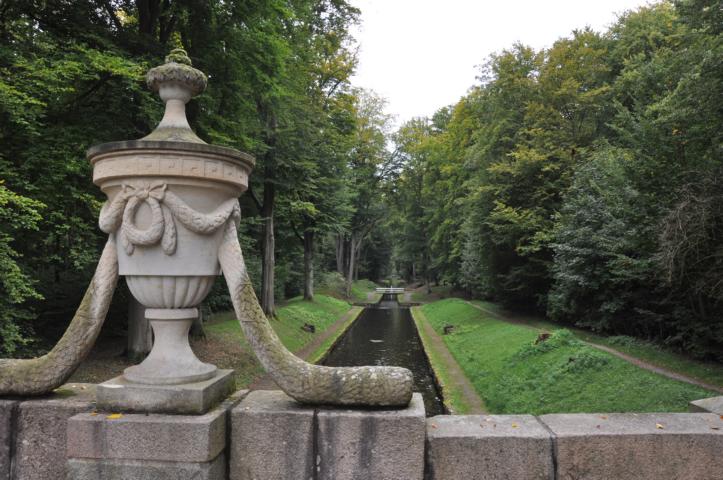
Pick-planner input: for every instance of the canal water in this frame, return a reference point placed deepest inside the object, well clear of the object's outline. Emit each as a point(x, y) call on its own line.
point(385, 334)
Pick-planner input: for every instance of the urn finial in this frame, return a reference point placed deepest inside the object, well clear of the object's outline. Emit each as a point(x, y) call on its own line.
point(176, 81)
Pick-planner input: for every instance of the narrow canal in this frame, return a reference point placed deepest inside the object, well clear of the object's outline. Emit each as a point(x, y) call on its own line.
point(384, 334)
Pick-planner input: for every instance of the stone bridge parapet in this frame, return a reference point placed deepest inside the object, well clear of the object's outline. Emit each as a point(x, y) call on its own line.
point(267, 436)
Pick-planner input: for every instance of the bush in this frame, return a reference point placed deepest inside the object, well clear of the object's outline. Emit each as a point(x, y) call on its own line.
point(559, 338)
point(586, 359)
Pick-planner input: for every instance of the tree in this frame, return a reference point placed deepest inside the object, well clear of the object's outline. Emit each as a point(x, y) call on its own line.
point(369, 163)
point(18, 214)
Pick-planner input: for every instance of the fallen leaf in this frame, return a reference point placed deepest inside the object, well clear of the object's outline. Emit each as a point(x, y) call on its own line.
point(434, 425)
point(604, 417)
point(659, 426)
point(93, 414)
point(114, 416)
point(514, 425)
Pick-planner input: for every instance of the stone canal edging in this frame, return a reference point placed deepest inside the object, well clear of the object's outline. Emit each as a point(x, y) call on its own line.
point(266, 435)
point(458, 392)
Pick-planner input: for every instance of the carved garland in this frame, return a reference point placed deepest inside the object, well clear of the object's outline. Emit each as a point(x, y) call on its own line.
point(165, 206)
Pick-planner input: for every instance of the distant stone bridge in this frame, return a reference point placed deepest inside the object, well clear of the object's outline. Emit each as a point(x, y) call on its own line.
point(390, 290)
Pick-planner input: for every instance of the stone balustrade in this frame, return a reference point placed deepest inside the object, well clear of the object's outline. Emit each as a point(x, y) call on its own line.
point(266, 435)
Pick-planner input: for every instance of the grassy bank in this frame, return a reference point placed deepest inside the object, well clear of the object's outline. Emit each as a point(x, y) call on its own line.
point(647, 351)
point(513, 375)
point(226, 345)
point(439, 292)
point(360, 290)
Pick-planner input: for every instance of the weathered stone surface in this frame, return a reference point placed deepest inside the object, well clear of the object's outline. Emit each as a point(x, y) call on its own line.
point(92, 469)
point(7, 415)
point(41, 431)
point(271, 438)
point(173, 438)
point(153, 446)
point(712, 405)
point(120, 395)
point(366, 444)
point(489, 447)
point(654, 446)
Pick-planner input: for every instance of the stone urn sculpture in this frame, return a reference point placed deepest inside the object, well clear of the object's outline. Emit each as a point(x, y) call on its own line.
point(171, 217)
point(169, 197)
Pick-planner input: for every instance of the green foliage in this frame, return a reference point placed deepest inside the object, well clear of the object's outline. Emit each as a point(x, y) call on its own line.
point(601, 235)
point(17, 215)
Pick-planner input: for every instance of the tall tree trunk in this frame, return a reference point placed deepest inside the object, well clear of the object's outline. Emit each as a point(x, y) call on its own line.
point(350, 271)
point(140, 336)
point(427, 274)
point(356, 260)
point(268, 245)
point(340, 254)
point(148, 14)
point(308, 265)
point(197, 331)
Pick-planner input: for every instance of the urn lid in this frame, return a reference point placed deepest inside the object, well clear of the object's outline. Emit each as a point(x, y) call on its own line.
point(176, 82)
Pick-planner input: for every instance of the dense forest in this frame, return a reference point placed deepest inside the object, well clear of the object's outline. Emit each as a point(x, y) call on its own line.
point(583, 181)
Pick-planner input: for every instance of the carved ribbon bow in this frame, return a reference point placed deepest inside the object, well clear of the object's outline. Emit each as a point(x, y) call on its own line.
point(162, 224)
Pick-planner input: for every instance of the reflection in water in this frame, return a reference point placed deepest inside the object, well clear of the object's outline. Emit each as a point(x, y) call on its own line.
point(386, 335)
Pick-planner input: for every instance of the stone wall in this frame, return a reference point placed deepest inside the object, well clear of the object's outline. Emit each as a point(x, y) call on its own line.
point(33, 432)
point(268, 436)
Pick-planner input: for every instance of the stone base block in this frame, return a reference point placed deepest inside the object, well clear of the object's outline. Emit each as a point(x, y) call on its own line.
point(626, 446)
point(120, 395)
point(40, 431)
point(489, 447)
point(712, 405)
point(272, 438)
point(8, 410)
point(87, 469)
point(372, 443)
point(135, 436)
point(149, 446)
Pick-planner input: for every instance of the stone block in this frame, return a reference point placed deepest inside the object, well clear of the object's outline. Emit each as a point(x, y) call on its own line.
point(271, 438)
point(120, 395)
point(626, 446)
point(8, 410)
point(94, 469)
point(712, 405)
point(489, 447)
point(171, 438)
point(370, 443)
point(41, 427)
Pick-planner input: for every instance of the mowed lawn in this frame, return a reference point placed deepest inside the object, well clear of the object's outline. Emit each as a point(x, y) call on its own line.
point(229, 348)
point(513, 375)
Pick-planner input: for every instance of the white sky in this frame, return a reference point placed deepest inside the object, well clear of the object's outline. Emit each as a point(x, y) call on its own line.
point(423, 54)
